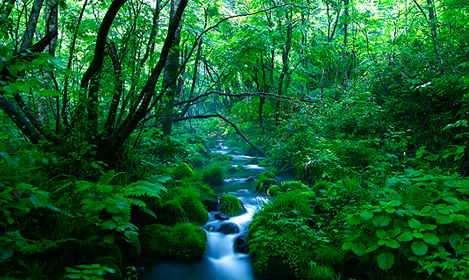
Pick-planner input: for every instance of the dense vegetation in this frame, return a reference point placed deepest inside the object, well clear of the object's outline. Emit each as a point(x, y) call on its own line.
point(109, 109)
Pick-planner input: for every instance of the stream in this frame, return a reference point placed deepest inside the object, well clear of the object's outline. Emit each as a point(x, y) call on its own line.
point(220, 262)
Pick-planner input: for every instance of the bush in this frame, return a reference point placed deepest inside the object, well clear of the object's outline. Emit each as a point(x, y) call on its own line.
point(421, 220)
point(280, 238)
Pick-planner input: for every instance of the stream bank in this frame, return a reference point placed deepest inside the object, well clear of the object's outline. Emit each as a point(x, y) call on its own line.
point(221, 261)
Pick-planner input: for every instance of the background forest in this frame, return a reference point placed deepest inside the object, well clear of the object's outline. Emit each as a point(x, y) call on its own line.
point(110, 109)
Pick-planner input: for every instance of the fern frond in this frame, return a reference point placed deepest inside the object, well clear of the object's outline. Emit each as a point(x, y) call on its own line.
point(144, 188)
point(159, 179)
point(107, 177)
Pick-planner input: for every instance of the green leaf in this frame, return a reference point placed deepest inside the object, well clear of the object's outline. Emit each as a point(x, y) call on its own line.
point(385, 260)
point(426, 209)
point(413, 223)
point(109, 224)
point(372, 248)
point(454, 240)
point(419, 248)
point(405, 237)
point(381, 220)
point(74, 276)
point(347, 245)
point(430, 238)
point(428, 227)
point(380, 233)
point(417, 234)
point(391, 243)
point(359, 248)
point(353, 220)
point(109, 239)
point(443, 219)
point(367, 215)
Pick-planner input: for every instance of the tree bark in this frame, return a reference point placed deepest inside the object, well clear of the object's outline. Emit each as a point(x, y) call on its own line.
point(31, 26)
point(170, 75)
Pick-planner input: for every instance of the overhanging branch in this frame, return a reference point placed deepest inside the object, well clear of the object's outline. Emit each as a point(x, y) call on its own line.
point(227, 121)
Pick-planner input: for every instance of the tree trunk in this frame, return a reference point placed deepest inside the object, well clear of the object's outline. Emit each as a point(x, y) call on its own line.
point(31, 26)
point(170, 76)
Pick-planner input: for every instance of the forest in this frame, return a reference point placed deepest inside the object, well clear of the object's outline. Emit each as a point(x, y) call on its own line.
point(328, 139)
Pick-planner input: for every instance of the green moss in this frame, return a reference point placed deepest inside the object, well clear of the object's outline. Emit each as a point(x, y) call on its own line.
point(172, 213)
point(294, 185)
point(274, 190)
point(183, 241)
point(208, 198)
point(264, 181)
point(231, 205)
point(183, 171)
point(189, 199)
point(213, 175)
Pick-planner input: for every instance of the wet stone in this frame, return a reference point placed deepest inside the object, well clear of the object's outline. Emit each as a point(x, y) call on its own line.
point(229, 228)
point(222, 216)
point(240, 245)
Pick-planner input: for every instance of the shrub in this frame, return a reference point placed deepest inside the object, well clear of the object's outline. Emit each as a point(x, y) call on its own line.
point(421, 220)
point(280, 237)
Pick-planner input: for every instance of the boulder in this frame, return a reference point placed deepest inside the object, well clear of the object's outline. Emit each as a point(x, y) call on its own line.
point(274, 190)
point(231, 205)
point(183, 171)
point(171, 213)
point(221, 216)
point(229, 228)
point(183, 241)
point(240, 245)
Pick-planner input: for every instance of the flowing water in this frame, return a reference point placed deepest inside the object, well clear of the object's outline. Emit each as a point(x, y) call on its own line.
point(220, 261)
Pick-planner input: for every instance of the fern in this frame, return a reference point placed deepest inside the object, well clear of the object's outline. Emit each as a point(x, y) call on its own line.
point(144, 188)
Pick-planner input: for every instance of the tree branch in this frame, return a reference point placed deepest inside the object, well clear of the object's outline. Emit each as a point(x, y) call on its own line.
point(227, 121)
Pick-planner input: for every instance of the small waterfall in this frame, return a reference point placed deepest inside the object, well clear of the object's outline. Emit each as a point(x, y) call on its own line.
point(221, 262)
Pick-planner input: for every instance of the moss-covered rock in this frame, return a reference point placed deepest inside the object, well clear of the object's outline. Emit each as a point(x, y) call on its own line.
point(264, 181)
point(208, 198)
point(274, 190)
point(213, 175)
point(196, 212)
point(183, 171)
point(183, 241)
point(294, 185)
point(171, 213)
point(262, 185)
point(231, 205)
